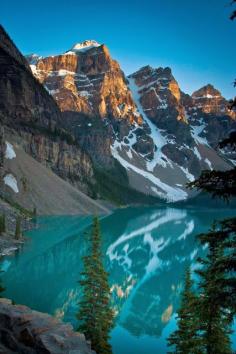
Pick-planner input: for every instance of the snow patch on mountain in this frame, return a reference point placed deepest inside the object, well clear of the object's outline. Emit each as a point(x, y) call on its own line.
point(196, 130)
point(10, 152)
point(83, 47)
point(159, 140)
point(208, 162)
point(197, 153)
point(189, 175)
point(11, 182)
point(169, 193)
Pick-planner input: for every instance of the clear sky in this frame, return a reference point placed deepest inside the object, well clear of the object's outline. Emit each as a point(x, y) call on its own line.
point(193, 37)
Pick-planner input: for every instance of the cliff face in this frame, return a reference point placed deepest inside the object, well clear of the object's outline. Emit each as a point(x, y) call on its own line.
point(23, 330)
point(159, 94)
point(22, 99)
point(93, 95)
point(33, 120)
point(27, 107)
point(86, 79)
point(66, 160)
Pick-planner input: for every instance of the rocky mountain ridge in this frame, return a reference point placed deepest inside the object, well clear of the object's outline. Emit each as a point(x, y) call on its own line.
point(86, 79)
point(161, 136)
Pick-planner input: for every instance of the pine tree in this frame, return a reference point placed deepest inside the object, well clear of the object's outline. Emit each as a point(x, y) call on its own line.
point(2, 224)
point(18, 228)
point(35, 212)
point(2, 289)
point(95, 314)
point(185, 339)
point(220, 184)
point(214, 313)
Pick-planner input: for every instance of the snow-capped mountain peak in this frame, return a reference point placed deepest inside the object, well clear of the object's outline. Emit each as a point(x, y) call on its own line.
point(33, 58)
point(84, 46)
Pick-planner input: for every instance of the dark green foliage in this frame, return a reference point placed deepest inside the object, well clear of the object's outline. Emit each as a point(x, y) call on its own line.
point(185, 339)
point(215, 309)
point(18, 228)
point(95, 314)
point(15, 205)
point(216, 303)
point(221, 241)
point(233, 14)
point(35, 212)
point(218, 183)
point(113, 185)
point(2, 224)
point(2, 289)
point(204, 321)
point(230, 141)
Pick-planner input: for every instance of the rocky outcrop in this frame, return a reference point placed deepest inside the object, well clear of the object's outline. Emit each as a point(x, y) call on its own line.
point(22, 98)
point(66, 159)
point(93, 95)
point(9, 47)
point(159, 94)
point(86, 79)
point(209, 100)
point(184, 138)
point(23, 330)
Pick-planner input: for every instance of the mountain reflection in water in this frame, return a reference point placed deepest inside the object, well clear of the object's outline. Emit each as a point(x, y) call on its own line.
point(146, 253)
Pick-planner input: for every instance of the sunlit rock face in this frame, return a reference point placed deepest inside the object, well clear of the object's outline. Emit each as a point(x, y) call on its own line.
point(210, 100)
point(86, 79)
point(159, 94)
point(161, 136)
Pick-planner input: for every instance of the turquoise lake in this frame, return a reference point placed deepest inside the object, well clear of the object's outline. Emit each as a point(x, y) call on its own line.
point(146, 253)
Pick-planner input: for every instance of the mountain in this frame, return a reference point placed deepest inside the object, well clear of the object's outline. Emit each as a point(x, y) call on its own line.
point(136, 139)
point(209, 100)
point(162, 137)
point(32, 139)
point(86, 79)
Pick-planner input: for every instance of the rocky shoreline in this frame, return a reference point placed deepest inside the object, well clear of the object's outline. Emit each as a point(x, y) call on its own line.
point(23, 330)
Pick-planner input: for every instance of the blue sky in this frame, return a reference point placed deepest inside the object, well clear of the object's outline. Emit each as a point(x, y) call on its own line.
point(193, 37)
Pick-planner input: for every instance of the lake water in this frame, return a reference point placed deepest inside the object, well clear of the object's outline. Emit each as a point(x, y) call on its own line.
point(146, 253)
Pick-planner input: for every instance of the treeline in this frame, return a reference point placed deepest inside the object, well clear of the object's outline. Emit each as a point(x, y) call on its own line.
point(3, 226)
point(208, 306)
